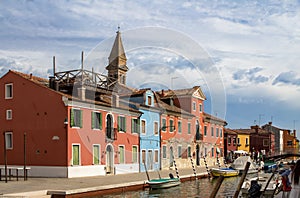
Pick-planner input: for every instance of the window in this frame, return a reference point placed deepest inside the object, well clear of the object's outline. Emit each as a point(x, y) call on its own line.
point(234, 141)
point(76, 118)
point(164, 149)
point(134, 154)
point(96, 154)
point(221, 133)
point(212, 152)
point(144, 156)
point(121, 123)
point(121, 155)
point(155, 128)
point(9, 91)
point(266, 142)
point(239, 142)
point(75, 154)
point(212, 131)
point(179, 127)
point(189, 151)
point(164, 125)
point(247, 143)
point(156, 156)
point(194, 106)
point(144, 126)
point(8, 140)
point(289, 143)
point(229, 140)
point(200, 107)
point(171, 123)
point(8, 114)
point(189, 128)
point(205, 151)
point(149, 100)
point(135, 125)
point(179, 151)
point(205, 130)
point(96, 120)
point(217, 132)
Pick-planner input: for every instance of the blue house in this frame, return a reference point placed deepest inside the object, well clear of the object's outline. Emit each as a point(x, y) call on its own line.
point(145, 101)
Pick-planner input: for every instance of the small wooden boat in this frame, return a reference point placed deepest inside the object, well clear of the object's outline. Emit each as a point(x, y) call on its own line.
point(226, 172)
point(163, 183)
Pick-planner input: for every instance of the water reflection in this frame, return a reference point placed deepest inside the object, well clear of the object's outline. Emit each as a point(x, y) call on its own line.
point(200, 188)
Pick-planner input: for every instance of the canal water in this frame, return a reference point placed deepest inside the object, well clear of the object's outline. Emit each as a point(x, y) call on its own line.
point(201, 188)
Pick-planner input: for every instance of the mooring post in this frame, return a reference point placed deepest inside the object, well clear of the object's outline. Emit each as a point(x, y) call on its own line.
point(236, 194)
point(208, 172)
point(217, 187)
point(194, 168)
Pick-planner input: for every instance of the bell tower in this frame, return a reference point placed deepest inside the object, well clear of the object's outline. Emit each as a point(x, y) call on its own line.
point(117, 67)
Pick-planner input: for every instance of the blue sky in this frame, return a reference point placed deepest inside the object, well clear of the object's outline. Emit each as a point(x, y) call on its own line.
point(252, 46)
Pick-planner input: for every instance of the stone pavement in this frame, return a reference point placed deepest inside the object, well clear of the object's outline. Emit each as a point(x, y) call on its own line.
point(38, 187)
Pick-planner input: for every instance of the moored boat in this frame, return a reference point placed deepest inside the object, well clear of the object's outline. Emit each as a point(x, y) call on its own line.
point(163, 183)
point(240, 164)
point(226, 172)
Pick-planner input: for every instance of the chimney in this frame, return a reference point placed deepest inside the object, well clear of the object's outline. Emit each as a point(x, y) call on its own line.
point(294, 131)
point(270, 123)
point(162, 92)
point(255, 127)
point(115, 100)
point(30, 76)
point(81, 92)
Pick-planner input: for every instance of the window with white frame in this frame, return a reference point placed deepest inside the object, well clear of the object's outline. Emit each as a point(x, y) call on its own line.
point(144, 156)
point(149, 100)
point(75, 154)
point(217, 132)
point(164, 152)
point(143, 126)
point(171, 124)
point(194, 106)
point(164, 125)
point(239, 142)
point(135, 125)
point(76, 118)
point(96, 154)
point(156, 156)
point(134, 154)
point(200, 107)
point(247, 142)
point(221, 133)
point(8, 140)
point(212, 131)
point(96, 120)
point(121, 154)
point(9, 91)
point(8, 114)
point(155, 128)
point(179, 127)
point(189, 128)
point(179, 152)
point(121, 124)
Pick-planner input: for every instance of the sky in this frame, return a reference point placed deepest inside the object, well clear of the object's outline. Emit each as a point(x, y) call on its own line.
point(243, 53)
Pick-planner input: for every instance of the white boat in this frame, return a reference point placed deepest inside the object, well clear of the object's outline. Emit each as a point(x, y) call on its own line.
point(240, 164)
point(272, 189)
point(163, 183)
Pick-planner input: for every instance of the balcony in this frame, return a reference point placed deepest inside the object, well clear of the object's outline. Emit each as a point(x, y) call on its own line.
point(110, 134)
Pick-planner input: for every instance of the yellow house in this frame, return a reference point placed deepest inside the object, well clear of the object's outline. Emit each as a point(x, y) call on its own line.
point(243, 140)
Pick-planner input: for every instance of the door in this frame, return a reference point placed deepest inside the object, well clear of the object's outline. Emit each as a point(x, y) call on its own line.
point(150, 160)
point(171, 157)
point(75, 155)
point(109, 159)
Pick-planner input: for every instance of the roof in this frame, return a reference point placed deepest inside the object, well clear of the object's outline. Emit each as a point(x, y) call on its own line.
point(195, 91)
point(230, 131)
point(208, 118)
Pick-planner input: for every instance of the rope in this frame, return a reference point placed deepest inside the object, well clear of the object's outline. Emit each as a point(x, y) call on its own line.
point(194, 168)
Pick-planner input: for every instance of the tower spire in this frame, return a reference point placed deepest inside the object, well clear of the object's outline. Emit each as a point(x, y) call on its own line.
point(117, 67)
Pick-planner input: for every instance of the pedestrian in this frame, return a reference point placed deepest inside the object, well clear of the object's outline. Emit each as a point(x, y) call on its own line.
point(295, 192)
point(286, 184)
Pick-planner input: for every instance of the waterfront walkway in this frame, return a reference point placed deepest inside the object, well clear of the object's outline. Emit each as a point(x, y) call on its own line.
point(64, 187)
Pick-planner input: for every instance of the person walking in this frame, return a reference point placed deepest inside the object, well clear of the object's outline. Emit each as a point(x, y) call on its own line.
point(295, 192)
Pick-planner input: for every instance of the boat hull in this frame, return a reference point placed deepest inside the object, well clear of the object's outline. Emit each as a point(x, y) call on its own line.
point(226, 172)
point(163, 183)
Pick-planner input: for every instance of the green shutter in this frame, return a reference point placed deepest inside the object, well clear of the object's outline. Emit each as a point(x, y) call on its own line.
point(124, 124)
point(72, 117)
point(119, 127)
point(138, 125)
point(132, 126)
point(100, 121)
point(81, 118)
point(93, 120)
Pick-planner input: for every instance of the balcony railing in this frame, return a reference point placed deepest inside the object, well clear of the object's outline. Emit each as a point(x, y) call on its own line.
point(198, 136)
point(111, 133)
